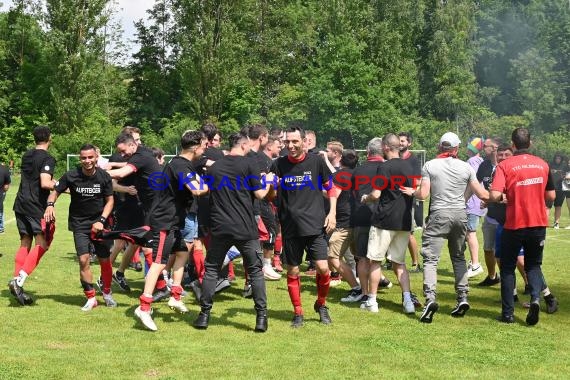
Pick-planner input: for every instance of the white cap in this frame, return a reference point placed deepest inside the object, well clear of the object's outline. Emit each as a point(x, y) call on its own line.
point(450, 139)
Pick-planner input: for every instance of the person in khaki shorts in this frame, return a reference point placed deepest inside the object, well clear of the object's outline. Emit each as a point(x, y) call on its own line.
point(391, 222)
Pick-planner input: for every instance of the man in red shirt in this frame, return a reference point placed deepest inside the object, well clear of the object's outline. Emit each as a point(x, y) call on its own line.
point(527, 183)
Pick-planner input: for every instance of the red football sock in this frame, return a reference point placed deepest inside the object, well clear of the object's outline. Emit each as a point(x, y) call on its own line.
point(231, 272)
point(148, 258)
point(136, 256)
point(323, 286)
point(198, 256)
point(20, 260)
point(294, 288)
point(145, 302)
point(106, 275)
point(33, 259)
point(278, 244)
point(160, 283)
point(176, 291)
point(89, 293)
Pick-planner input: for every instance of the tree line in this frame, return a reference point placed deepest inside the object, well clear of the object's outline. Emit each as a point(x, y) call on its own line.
point(348, 69)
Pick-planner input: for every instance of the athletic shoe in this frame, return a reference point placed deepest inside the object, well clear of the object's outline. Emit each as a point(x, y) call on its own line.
point(90, 304)
point(261, 321)
point(122, 282)
point(177, 305)
point(277, 263)
point(409, 307)
point(460, 308)
point(222, 284)
point(551, 304)
point(370, 305)
point(17, 291)
point(28, 300)
point(323, 312)
point(416, 268)
point(202, 320)
point(297, 321)
point(146, 319)
point(109, 301)
point(429, 310)
point(270, 274)
point(533, 313)
point(415, 300)
point(474, 271)
point(488, 281)
point(385, 283)
point(161, 294)
point(196, 289)
point(506, 318)
point(363, 301)
point(556, 226)
point(247, 290)
point(353, 295)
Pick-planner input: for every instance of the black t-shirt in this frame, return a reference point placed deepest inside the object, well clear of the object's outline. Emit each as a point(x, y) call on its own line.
point(361, 215)
point(88, 195)
point(169, 207)
point(301, 206)
point(144, 165)
point(231, 197)
point(259, 163)
point(485, 173)
point(414, 163)
point(394, 209)
point(213, 154)
point(342, 178)
point(31, 198)
point(4, 176)
point(124, 201)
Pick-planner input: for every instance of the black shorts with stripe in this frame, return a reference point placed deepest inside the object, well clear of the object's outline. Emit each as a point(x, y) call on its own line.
point(166, 242)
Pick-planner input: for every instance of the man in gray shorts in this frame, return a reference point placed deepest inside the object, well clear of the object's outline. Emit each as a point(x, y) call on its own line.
point(448, 181)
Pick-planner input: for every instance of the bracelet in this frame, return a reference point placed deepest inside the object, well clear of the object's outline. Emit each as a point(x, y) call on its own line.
point(52, 204)
point(102, 219)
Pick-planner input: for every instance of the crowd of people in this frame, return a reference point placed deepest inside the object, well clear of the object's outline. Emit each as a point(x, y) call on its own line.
point(277, 201)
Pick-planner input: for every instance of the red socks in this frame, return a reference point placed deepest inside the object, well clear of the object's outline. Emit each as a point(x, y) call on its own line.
point(160, 283)
point(136, 256)
point(198, 256)
point(294, 288)
point(89, 293)
point(278, 244)
point(145, 302)
point(176, 291)
point(231, 273)
point(33, 259)
point(106, 275)
point(20, 260)
point(323, 285)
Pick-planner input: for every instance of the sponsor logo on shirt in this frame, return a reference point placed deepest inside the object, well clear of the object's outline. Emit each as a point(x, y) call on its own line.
point(88, 191)
point(530, 181)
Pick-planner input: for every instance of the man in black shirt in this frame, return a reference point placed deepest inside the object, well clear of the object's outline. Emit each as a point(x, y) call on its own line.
point(4, 185)
point(235, 183)
point(91, 191)
point(303, 176)
point(37, 172)
point(179, 183)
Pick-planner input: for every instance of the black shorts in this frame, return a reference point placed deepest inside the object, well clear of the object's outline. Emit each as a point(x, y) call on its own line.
point(359, 246)
point(166, 242)
point(84, 245)
point(268, 218)
point(560, 196)
point(28, 225)
point(294, 248)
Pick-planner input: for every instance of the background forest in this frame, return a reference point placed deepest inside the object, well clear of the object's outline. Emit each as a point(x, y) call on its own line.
point(348, 69)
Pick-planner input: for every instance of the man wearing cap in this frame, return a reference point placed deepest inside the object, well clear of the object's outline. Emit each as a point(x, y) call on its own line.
point(474, 211)
point(448, 181)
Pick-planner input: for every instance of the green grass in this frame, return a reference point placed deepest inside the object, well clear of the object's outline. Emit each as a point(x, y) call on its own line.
point(54, 339)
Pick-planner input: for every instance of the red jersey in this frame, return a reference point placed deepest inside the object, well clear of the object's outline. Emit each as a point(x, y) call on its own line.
point(524, 178)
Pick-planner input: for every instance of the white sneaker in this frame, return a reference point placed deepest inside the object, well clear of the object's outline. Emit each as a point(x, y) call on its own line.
point(354, 295)
point(90, 304)
point(335, 282)
point(371, 305)
point(109, 301)
point(409, 307)
point(146, 319)
point(474, 271)
point(177, 305)
point(270, 274)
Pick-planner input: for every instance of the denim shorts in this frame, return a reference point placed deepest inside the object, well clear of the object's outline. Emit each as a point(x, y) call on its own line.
point(190, 231)
point(472, 222)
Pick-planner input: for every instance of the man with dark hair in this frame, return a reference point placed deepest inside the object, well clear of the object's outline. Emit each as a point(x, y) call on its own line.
point(166, 219)
point(4, 186)
point(303, 219)
point(37, 172)
point(527, 183)
point(235, 183)
point(91, 191)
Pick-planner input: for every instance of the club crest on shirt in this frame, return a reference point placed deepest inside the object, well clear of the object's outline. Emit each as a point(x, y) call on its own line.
point(46, 168)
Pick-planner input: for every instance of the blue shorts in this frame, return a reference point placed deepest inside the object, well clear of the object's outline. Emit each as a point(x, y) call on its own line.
point(190, 231)
point(498, 234)
point(472, 222)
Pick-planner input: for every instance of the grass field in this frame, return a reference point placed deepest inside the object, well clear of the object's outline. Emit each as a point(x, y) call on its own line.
point(54, 339)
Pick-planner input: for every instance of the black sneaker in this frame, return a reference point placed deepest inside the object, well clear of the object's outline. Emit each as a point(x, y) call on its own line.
point(460, 308)
point(122, 282)
point(17, 291)
point(161, 294)
point(551, 304)
point(28, 300)
point(532, 316)
point(202, 320)
point(323, 313)
point(488, 281)
point(429, 310)
point(385, 283)
point(506, 318)
point(297, 321)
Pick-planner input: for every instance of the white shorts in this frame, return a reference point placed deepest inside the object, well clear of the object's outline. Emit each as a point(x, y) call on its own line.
point(384, 244)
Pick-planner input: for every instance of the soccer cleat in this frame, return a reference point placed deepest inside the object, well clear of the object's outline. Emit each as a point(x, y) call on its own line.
point(109, 301)
point(370, 305)
point(122, 282)
point(223, 283)
point(146, 319)
point(28, 300)
point(17, 291)
point(533, 313)
point(551, 304)
point(202, 320)
point(429, 310)
point(488, 281)
point(270, 274)
point(90, 304)
point(247, 290)
point(385, 283)
point(161, 294)
point(353, 295)
point(177, 305)
point(474, 271)
point(323, 312)
point(297, 321)
point(409, 307)
point(460, 308)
